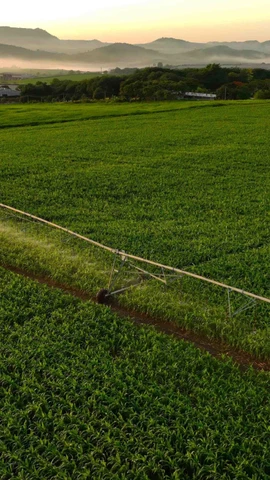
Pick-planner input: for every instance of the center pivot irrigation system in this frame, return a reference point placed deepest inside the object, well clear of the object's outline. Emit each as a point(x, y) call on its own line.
point(165, 273)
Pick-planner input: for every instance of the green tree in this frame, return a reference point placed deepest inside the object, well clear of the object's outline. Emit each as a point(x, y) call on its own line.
point(262, 95)
point(213, 76)
point(99, 93)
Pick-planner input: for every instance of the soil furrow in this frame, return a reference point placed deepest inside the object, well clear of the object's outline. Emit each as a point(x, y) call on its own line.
point(216, 348)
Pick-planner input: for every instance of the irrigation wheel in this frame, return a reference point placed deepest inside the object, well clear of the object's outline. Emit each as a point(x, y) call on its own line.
point(101, 295)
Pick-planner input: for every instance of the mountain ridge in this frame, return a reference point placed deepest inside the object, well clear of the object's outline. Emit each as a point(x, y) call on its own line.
point(34, 45)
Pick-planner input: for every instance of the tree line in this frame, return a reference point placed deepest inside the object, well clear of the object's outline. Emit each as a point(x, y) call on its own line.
point(156, 83)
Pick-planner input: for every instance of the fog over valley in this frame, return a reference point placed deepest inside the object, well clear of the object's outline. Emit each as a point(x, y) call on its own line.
point(36, 48)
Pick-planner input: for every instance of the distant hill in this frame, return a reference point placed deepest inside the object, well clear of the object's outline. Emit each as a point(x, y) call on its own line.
point(14, 33)
point(115, 54)
point(171, 45)
point(121, 53)
point(221, 53)
point(247, 45)
point(37, 38)
point(19, 53)
point(26, 37)
point(78, 46)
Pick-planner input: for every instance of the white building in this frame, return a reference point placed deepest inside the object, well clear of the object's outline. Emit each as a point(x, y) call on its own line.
point(7, 92)
point(203, 96)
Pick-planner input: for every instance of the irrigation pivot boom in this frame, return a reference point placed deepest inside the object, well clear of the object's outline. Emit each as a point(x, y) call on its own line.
point(124, 257)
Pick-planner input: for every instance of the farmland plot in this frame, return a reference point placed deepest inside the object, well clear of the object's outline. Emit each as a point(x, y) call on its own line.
point(85, 394)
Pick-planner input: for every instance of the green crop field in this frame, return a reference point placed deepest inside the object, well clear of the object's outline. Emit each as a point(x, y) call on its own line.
point(61, 76)
point(183, 183)
point(87, 395)
point(47, 75)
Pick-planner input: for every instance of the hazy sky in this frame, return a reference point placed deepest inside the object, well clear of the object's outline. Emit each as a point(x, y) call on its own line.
point(141, 21)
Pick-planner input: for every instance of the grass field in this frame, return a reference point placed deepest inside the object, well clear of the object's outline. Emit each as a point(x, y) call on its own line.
point(186, 184)
point(77, 77)
point(85, 394)
point(47, 75)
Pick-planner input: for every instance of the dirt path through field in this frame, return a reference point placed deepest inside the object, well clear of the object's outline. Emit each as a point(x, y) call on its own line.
point(216, 348)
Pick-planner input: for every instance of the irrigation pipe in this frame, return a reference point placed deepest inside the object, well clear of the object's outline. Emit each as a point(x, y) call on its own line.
point(139, 259)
